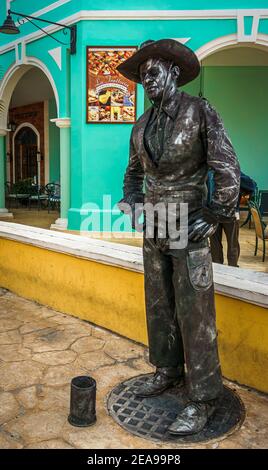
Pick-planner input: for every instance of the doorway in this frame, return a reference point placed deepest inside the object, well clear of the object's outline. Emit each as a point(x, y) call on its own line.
point(26, 155)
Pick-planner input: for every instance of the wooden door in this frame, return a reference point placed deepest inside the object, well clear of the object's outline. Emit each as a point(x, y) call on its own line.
point(26, 155)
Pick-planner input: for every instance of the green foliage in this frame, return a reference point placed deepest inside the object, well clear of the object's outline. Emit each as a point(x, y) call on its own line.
point(24, 187)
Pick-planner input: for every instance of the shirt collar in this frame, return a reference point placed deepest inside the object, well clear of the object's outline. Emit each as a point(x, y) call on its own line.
point(171, 105)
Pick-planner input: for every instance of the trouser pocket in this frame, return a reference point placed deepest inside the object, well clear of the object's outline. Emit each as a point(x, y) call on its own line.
point(199, 265)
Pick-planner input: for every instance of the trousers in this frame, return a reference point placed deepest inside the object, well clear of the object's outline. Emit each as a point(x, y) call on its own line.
point(180, 311)
point(231, 231)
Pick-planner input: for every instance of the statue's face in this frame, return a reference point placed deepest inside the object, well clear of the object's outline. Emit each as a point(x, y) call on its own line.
point(153, 74)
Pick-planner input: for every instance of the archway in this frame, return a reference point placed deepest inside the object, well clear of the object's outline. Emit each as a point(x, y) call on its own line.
point(31, 148)
point(11, 79)
point(234, 80)
point(230, 41)
point(33, 104)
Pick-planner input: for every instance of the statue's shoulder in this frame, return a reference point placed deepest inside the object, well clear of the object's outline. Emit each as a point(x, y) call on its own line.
point(193, 100)
point(200, 104)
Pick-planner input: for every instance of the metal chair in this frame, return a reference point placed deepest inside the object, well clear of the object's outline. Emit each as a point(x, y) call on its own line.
point(260, 227)
point(9, 195)
point(245, 206)
point(53, 192)
point(263, 202)
point(39, 195)
point(13, 193)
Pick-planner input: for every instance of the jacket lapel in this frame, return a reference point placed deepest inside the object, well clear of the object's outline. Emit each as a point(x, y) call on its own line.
point(139, 138)
point(169, 141)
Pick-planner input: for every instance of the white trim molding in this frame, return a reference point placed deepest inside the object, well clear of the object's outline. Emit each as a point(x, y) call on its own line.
point(49, 8)
point(28, 124)
point(241, 35)
point(163, 14)
point(8, 4)
point(20, 55)
point(242, 284)
point(182, 40)
point(45, 10)
point(60, 224)
point(229, 41)
point(62, 122)
point(13, 75)
point(56, 56)
point(132, 15)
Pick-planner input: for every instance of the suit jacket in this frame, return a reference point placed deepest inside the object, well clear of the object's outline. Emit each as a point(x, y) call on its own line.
point(197, 142)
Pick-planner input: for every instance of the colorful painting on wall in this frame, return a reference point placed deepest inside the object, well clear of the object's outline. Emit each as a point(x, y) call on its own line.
point(111, 98)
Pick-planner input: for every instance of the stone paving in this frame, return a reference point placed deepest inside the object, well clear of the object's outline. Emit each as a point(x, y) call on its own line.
point(41, 350)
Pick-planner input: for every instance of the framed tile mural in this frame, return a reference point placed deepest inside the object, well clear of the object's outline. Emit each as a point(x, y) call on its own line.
point(111, 98)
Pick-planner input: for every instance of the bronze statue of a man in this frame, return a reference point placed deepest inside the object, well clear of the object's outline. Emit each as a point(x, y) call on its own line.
point(173, 144)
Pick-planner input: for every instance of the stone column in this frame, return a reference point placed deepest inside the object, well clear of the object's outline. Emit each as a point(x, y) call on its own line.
point(65, 154)
point(4, 214)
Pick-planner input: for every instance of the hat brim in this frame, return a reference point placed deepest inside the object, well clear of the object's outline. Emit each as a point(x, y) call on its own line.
point(168, 49)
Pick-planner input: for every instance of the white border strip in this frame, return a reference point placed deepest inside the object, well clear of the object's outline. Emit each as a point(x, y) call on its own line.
point(168, 14)
point(90, 15)
point(45, 10)
point(238, 283)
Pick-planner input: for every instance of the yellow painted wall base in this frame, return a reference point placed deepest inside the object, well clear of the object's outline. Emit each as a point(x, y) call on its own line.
point(113, 298)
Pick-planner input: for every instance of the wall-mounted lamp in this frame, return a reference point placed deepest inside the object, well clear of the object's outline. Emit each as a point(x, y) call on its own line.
point(12, 126)
point(9, 27)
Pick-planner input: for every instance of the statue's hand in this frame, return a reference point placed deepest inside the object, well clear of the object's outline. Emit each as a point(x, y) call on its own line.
point(200, 229)
point(133, 206)
point(135, 215)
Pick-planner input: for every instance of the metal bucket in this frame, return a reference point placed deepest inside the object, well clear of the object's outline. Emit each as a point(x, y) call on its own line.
point(83, 401)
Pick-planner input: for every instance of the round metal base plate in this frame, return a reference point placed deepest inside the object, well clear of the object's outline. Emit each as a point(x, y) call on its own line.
point(150, 417)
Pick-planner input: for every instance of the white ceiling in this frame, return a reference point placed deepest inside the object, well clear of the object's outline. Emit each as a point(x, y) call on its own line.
point(33, 87)
point(238, 56)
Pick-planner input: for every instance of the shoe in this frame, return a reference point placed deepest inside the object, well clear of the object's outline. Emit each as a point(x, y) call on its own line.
point(156, 385)
point(192, 419)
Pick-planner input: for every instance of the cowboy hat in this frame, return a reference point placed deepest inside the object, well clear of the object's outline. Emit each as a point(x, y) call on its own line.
point(168, 49)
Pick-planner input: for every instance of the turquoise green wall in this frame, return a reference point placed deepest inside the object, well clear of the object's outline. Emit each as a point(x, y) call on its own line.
point(54, 145)
point(171, 4)
point(30, 7)
point(99, 152)
point(33, 49)
point(59, 13)
point(40, 47)
point(240, 96)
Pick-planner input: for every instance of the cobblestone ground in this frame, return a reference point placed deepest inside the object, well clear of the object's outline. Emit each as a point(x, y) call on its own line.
point(41, 350)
